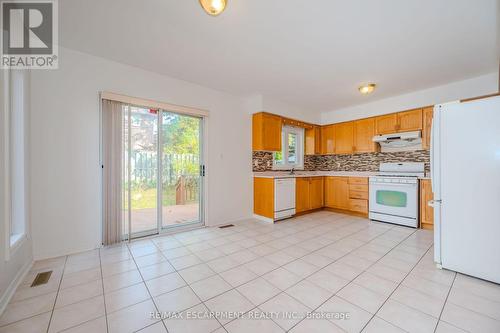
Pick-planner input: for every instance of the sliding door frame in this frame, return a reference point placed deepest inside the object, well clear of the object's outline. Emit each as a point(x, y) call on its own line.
point(129, 102)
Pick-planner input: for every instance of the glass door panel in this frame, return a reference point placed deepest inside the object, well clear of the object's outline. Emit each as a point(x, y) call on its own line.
point(143, 171)
point(180, 169)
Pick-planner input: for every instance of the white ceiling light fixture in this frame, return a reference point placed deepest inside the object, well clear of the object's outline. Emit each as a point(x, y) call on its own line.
point(213, 7)
point(366, 89)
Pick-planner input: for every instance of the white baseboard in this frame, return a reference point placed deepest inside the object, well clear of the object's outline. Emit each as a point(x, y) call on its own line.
point(11, 289)
point(263, 218)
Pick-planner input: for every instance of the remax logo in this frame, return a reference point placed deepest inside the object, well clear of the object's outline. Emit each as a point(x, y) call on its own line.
point(29, 34)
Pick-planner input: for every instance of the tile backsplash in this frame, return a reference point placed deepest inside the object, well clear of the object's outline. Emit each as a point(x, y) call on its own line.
point(263, 161)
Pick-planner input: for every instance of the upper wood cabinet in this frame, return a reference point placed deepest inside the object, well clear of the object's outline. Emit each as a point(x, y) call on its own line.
point(426, 212)
point(344, 138)
point(266, 132)
point(337, 192)
point(364, 130)
point(428, 114)
point(386, 124)
point(328, 139)
point(399, 122)
point(410, 120)
point(313, 140)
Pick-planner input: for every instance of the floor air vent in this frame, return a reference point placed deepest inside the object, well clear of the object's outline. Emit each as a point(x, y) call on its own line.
point(226, 226)
point(41, 278)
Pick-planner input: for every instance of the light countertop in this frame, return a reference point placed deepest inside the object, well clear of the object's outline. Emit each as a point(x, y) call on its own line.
point(286, 174)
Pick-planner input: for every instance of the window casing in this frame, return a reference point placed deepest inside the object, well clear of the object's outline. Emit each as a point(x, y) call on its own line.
point(292, 149)
point(15, 152)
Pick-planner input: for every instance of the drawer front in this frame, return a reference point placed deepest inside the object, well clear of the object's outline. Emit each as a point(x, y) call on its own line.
point(360, 188)
point(358, 194)
point(358, 205)
point(358, 180)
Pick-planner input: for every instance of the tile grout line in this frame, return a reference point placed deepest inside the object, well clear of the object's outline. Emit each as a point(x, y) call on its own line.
point(399, 284)
point(277, 250)
point(103, 293)
point(149, 292)
point(298, 258)
point(363, 271)
point(188, 285)
point(215, 273)
point(445, 301)
point(57, 294)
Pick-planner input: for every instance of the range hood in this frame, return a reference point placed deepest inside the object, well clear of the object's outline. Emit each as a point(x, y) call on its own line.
point(405, 141)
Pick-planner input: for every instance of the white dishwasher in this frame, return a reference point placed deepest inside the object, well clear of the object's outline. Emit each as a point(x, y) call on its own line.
point(284, 198)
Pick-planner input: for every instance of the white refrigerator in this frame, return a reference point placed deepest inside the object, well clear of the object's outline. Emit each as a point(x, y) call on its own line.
point(465, 170)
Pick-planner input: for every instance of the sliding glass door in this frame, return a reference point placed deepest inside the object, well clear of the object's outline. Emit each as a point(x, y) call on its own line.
point(180, 165)
point(161, 170)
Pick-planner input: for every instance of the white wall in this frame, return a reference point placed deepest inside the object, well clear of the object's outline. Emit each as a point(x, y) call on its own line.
point(65, 203)
point(11, 269)
point(278, 107)
point(482, 85)
point(258, 103)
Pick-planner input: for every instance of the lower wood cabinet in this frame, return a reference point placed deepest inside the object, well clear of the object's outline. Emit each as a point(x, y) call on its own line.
point(337, 192)
point(316, 192)
point(308, 193)
point(426, 211)
point(347, 193)
point(358, 205)
point(301, 194)
point(263, 197)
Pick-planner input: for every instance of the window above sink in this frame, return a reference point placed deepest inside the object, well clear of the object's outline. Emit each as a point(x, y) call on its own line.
point(291, 155)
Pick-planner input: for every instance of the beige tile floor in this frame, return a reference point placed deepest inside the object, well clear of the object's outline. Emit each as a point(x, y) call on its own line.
point(322, 272)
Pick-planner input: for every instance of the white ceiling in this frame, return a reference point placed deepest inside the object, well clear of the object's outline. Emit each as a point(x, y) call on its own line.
point(312, 54)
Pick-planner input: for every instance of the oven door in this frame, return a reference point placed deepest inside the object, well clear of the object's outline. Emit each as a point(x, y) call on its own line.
point(395, 199)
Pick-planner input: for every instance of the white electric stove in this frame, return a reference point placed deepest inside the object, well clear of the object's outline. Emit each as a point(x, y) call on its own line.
point(394, 193)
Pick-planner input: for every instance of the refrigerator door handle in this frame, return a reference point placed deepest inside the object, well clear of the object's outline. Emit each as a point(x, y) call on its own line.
point(432, 148)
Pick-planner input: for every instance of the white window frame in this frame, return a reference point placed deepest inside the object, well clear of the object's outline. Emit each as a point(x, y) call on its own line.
point(299, 132)
point(14, 240)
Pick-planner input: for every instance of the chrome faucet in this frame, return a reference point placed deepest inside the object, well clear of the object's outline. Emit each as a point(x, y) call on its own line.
point(292, 172)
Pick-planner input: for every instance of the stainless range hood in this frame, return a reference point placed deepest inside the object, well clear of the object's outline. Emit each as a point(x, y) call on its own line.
point(405, 141)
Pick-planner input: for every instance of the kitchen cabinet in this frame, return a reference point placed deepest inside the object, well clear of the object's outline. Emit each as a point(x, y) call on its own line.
point(316, 192)
point(426, 212)
point(427, 116)
point(302, 194)
point(410, 120)
point(386, 124)
point(399, 122)
point(263, 197)
point(308, 193)
point(344, 138)
point(358, 194)
point(328, 139)
point(266, 132)
point(337, 192)
point(364, 131)
point(313, 140)
point(358, 205)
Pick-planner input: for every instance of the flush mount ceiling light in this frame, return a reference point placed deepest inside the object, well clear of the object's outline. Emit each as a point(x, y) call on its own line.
point(213, 7)
point(367, 88)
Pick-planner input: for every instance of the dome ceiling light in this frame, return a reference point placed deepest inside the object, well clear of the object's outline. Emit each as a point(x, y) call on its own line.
point(213, 7)
point(367, 88)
